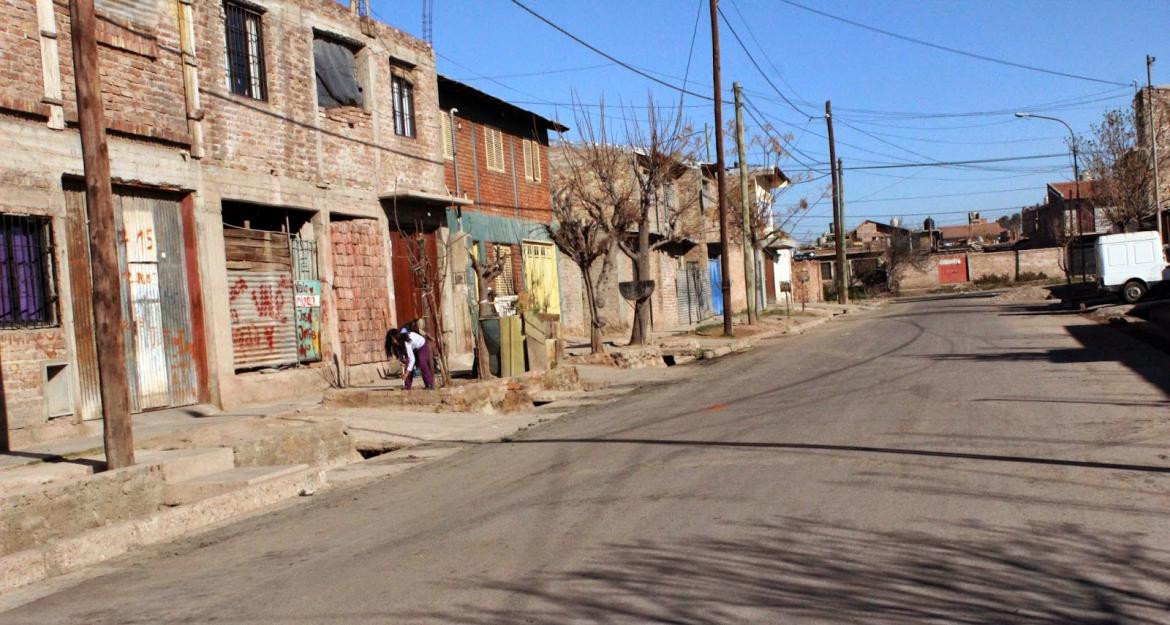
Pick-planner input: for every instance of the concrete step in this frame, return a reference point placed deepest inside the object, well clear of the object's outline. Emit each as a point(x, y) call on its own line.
point(186, 464)
point(21, 479)
point(204, 486)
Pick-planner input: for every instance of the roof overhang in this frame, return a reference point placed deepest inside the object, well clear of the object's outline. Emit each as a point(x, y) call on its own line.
point(425, 198)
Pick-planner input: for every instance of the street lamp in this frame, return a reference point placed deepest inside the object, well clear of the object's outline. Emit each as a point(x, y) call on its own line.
point(1072, 142)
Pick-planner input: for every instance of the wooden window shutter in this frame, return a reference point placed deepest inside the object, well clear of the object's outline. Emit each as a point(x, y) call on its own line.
point(448, 136)
point(527, 160)
point(535, 161)
point(494, 142)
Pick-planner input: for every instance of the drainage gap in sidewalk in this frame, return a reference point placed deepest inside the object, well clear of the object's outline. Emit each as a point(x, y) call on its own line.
point(374, 452)
point(668, 359)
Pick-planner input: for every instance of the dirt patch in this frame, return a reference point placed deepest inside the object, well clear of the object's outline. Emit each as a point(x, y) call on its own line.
point(1029, 293)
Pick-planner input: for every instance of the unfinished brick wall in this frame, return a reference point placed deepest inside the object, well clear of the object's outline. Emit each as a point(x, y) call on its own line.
point(289, 135)
point(20, 57)
point(360, 286)
point(1043, 260)
point(141, 73)
point(23, 355)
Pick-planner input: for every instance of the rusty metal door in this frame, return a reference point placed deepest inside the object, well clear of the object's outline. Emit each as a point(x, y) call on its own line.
point(81, 294)
point(160, 356)
point(952, 269)
point(177, 323)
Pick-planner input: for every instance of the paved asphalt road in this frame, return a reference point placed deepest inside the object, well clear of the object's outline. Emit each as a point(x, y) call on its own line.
point(950, 460)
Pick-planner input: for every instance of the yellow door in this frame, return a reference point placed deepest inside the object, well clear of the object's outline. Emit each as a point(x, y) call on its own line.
point(540, 277)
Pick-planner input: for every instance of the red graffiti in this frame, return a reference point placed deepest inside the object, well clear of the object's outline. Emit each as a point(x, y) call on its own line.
point(237, 288)
point(269, 302)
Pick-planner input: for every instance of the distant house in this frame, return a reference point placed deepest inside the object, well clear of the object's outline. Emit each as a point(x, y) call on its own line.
point(1052, 222)
point(977, 232)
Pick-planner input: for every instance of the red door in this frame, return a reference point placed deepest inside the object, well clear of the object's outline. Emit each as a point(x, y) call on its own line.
point(952, 269)
point(414, 263)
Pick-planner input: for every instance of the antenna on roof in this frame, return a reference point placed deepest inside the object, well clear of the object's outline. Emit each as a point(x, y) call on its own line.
point(428, 10)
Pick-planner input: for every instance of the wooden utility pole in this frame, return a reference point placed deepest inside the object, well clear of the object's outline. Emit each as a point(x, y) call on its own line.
point(842, 258)
point(838, 217)
point(749, 249)
point(1154, 145)
point(109, 324)
point(720, 174)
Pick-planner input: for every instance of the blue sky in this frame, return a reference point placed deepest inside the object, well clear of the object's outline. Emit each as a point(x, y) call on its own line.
point(887, 93)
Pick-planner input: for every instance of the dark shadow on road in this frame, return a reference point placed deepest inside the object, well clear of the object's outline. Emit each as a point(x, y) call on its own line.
point(1075, 400)
point(862, 449)
point(796, 570)
point(1098, 343)
point(946, 296)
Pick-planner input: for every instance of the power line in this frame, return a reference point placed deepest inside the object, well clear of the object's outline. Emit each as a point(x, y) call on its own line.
point(601, 52)
point(547, 72)
point(757, 65)
point(939, 195)
point(779, 74)
point(981, 57)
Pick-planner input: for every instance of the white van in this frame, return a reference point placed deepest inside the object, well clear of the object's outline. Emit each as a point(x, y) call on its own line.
point(1130, 263)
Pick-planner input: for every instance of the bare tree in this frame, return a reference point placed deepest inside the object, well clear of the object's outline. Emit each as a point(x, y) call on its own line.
point(583, 240)
point(901, 256)
point(663, 148)
point(427, 275)
point(626, 187)
point(1120, 171)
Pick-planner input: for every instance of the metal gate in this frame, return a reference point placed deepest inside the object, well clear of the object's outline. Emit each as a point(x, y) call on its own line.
point(155, 300)
point(952, 269)
point(691, 292)
point(716, 275)
point(160, 353)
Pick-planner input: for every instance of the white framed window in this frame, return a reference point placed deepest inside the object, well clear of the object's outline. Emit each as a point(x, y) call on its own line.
point(493, 143)
point(531, 160)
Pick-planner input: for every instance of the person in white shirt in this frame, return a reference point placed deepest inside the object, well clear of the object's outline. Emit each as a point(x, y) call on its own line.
point(414, 349)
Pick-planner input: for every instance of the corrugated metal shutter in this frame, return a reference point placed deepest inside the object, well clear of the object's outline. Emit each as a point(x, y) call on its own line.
point(81, 295)
point(263, 325)
point(177, 322)
point(682, 291)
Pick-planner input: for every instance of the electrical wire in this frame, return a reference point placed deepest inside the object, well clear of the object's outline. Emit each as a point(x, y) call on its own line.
point(612, 58)
point(936, 46)
point(759, 69)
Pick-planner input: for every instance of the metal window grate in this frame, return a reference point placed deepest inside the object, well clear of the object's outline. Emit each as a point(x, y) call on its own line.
point(402, 95)
point(245, 51)
point(27, 295)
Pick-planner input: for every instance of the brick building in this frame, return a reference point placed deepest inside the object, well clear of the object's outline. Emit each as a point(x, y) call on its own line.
point(1156, 99)
point(260, 152)
point(496, 159)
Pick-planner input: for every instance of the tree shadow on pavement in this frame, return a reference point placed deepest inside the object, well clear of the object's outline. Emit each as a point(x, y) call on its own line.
point(796, 570)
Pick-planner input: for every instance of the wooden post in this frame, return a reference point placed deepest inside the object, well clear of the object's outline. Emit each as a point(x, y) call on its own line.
point(109, 324)
point(720, 174)
point(749, 247)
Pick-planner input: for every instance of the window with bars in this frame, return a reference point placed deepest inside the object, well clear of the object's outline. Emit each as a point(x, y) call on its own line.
point(531, 160)
point(27, 296)
point(402, 94)
point(493, 141)
point(505, 283)
point(448, 135)
point(245, 51)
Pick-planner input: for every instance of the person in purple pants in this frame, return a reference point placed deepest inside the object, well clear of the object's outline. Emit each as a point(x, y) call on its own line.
point(417, 350)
